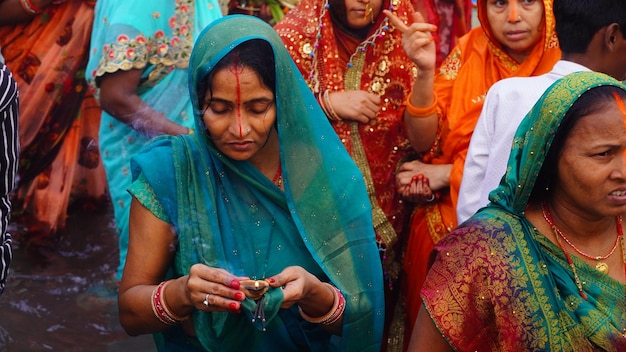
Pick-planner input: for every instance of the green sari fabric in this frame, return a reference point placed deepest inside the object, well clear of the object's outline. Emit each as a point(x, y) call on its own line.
point(497, 284)
point(225, 212)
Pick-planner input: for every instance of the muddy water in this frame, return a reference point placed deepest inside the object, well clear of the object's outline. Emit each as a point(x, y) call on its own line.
point(55, 299)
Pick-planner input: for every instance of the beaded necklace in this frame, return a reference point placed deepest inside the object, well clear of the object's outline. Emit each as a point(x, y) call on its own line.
point(278, 177)
point(379, 33)
point(600, 266)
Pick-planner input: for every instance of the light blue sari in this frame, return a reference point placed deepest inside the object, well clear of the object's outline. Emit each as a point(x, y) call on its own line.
point(156, 36)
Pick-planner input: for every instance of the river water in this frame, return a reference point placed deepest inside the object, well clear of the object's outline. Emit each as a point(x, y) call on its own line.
point(54, 299)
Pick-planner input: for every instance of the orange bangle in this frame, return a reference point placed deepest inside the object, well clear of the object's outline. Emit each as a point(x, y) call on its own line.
point(421, 112)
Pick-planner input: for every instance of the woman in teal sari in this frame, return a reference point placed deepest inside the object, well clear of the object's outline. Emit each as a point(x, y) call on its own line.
point(262, 194)
point(543, 267)
point(138, 70)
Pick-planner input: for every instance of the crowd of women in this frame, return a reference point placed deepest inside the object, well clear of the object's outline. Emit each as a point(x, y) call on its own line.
point(301, 185)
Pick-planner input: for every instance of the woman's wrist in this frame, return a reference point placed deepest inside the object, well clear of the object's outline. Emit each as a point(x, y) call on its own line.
point(161, 308)
point(421, 112)
point(333, 314)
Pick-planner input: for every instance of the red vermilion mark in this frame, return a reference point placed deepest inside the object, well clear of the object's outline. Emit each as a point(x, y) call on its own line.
point(236, 69)
point(513, 12)
point(620, 105)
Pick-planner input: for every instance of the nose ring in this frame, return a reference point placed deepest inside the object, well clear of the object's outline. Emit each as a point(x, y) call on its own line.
point(519, 18)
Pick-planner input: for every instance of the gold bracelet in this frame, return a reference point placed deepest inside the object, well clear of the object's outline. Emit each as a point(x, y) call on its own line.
point(421, 112)
point(332, 114)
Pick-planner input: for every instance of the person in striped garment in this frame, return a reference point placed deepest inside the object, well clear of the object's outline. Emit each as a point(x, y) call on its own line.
point(9, 152)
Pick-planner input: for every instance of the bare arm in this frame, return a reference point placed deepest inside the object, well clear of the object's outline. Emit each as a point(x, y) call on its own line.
point(422, 131)
point(151, 248)
point(118, 97)
point(418, 44)
point(150, 252)
point(425, 336)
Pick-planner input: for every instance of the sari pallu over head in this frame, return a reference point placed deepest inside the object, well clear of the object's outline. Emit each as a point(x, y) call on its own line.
point(333, 57)
point(518, 290)
point(324, 196)
point(473, 66)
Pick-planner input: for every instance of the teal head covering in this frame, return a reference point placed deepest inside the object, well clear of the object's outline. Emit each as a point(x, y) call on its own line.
point(324, 205)
point(538, 277)
point(535, 134)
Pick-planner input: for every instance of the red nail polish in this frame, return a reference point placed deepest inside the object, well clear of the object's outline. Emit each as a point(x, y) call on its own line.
point(239, 296)
point(234, 283)
point(271, 280)
point(234, 306)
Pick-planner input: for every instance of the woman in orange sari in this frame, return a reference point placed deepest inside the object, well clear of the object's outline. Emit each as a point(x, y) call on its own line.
point(516, 38)
point(46, 43)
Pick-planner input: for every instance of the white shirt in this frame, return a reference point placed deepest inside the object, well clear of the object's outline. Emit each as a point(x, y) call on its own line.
point(507, 103)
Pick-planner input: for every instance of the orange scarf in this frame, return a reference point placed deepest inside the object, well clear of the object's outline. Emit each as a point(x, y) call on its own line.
point(477, 62)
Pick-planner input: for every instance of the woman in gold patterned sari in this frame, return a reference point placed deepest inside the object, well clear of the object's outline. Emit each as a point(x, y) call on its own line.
point(543, 267)
point(353, 60)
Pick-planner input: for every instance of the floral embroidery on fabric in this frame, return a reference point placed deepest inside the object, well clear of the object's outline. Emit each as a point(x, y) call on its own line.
point(158, 48)
point(452, 64)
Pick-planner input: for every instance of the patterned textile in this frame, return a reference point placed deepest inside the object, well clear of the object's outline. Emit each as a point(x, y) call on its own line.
point(474, 65)
point(226, 210)
point(498, 284)
point(9, 114)
point(59, 118)
point(156, 38)
point(337, 60)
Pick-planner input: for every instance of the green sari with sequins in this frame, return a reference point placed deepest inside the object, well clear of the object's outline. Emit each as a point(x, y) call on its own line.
point(228, 215)
point(497, 284)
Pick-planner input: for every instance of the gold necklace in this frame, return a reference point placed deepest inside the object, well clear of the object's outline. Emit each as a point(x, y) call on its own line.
point(278, 177)
point(600, 265)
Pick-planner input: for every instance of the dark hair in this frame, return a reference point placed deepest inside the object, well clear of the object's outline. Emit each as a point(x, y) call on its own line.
point(577, 21)
point(592, 101)
point(256, 54)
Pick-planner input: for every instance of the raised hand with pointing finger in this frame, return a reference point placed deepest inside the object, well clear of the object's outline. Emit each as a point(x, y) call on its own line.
point(417, 40)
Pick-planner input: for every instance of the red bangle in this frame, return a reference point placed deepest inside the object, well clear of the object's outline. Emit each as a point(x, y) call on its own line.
point(28, 6)
point(421, 112)
point(160, 308)
point(335, 312)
